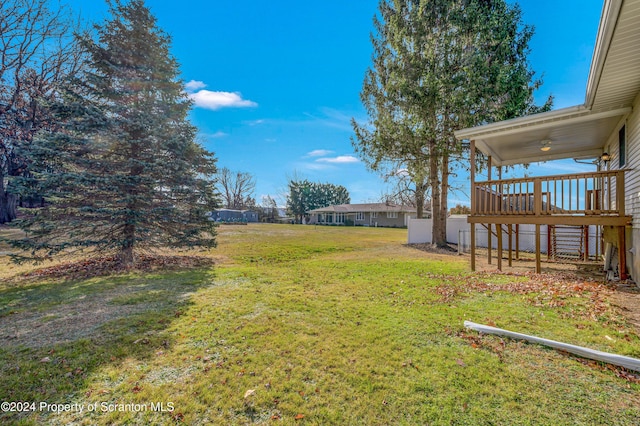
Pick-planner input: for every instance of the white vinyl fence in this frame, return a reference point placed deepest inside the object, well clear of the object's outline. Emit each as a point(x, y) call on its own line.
point(566, 241)
point(419, 230)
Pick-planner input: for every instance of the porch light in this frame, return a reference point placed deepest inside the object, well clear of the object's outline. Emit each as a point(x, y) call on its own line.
point(545, 145)
point(605, 157)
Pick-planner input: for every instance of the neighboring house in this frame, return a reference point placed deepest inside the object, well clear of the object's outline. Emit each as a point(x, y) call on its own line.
point(606, 128)
point(230, 215)
point(375, 214)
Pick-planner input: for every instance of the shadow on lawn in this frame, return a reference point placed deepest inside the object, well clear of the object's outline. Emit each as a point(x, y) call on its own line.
point(52, 336)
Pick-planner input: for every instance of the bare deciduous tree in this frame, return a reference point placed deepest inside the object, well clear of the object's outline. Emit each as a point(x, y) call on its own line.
point(269, 208)
point(236, 188)
point(37, 52)
point(408, 190)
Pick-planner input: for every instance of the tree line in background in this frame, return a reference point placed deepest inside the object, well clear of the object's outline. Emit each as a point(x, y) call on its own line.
point(304, 196)
point(439, 66)
point(237, 192)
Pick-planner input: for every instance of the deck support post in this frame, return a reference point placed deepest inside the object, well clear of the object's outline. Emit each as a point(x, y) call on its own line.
point(472, 160)
point(538, 265)
point(489, 231)
point(499, 236)
point(473, 247)
point(517, 241)
point(510, 232)
point(622, 254)
point(551, 254)
point(586, 242)
point(489, 242)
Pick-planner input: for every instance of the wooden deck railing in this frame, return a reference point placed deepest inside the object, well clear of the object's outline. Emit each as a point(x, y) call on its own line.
point(584, 194)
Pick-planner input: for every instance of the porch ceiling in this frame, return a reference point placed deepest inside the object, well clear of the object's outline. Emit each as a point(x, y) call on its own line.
point(574, 132)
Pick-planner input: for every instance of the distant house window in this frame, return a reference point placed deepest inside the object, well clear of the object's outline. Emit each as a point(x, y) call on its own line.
point(622, 147)
point(374, 215)
point(339, 217)
point(392, 215)
point(359, 215)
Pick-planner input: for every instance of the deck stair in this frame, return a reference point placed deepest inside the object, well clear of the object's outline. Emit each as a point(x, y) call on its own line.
point(567, 242)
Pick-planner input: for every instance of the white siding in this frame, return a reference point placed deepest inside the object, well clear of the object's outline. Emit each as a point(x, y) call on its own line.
point(632, 177)
point(632, 187)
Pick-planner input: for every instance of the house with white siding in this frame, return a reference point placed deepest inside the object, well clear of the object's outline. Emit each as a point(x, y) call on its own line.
point(234, 216)
point(370, 214)
point(604, 129)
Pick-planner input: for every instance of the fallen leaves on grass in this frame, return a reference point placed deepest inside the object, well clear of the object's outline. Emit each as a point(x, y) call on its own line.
point(107, 265)
point(498, 346)
point(410, 363)
point(477, 341)
point(545, 290)
point(621, 372)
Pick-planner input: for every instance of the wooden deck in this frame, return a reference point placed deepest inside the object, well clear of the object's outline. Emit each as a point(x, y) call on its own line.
point(571, 199)
point(575, 199)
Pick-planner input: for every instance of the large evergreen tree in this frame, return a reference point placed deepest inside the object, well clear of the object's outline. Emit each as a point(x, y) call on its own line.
point(124, 173)
point(439, 66)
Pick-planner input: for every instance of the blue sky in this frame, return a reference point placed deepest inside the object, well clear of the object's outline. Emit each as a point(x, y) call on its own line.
point(276, 83)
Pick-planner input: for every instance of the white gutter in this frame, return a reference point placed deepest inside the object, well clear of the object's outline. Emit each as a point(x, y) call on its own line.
point(619, 360)
point(516, 123)
point(566, 116)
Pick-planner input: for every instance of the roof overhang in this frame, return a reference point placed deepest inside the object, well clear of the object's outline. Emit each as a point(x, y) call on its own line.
point(614, 77)
point(608, 21)
point(574, 132)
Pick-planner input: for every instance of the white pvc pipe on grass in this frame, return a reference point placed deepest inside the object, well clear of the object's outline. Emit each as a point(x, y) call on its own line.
point(619, 360)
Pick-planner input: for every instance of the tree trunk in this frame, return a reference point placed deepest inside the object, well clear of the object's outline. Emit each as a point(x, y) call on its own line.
point(12, 206)
point(436, 200)
point(127, 257)
point(419, 200)
point(440, 230)
point(4, 211)
point(8, 204)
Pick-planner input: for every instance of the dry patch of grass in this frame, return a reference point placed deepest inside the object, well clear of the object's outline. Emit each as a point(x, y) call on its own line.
point(109, 265)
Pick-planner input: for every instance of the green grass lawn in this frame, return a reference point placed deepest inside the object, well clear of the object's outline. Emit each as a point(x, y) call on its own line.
point(312, 325)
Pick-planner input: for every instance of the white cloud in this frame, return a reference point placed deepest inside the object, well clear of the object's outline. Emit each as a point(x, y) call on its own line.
point(216, 100)
point(218, 134)
point(194, 85)
point(316, 166)
point(319, 153)
point(341, 159)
